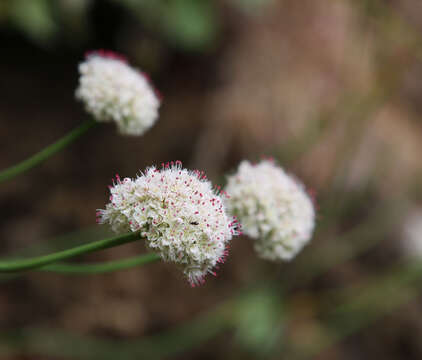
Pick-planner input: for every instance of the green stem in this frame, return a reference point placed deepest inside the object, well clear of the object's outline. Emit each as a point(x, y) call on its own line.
point(47, 152)
point(101, 268)
point(39, 261)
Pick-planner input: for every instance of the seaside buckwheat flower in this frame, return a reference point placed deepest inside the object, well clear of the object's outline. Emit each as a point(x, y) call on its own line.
point(273, 208)
point(179, 214)
point(114, 91)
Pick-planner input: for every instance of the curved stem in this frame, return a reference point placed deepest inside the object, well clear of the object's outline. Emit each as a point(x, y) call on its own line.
point(47, 152)
point(101, 268)
point(8, 266)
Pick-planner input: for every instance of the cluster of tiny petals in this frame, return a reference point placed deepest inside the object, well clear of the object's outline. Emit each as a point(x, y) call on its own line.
point(273, 207)
point(178, 213)
point(113, 91)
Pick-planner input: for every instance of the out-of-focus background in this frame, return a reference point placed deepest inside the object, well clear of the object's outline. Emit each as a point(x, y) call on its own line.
point(332, 89)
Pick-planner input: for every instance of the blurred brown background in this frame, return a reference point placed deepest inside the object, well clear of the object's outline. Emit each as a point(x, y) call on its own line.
point(331, 88)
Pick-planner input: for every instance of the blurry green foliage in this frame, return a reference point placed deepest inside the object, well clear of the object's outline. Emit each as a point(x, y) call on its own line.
point(186, 24)
point(34, 18)
point(259, 318)
point(43, 20)
point(189, 25)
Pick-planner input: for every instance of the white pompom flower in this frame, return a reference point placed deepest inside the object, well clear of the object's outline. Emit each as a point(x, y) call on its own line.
point(179, 214)
point(273, 208)
point(114, 91)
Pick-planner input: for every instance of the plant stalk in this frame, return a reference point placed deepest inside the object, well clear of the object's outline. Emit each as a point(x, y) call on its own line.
point(47, 152)
point(8, 266)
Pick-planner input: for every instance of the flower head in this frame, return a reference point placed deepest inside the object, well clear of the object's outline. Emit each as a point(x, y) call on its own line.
point(273, 208)
point(178, 213)
point(114, 91)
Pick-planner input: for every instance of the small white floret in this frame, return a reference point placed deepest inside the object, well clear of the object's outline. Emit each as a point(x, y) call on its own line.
point(114, 91)
point(273, 208)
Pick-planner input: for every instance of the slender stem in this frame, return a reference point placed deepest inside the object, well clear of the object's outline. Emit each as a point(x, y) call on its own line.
point(101, 268)
point(39, 261)
point(47, 152)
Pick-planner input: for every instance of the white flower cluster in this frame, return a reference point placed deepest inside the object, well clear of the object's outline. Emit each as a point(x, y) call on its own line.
point(273, 208)
point(113, 91)
point(181, 217)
